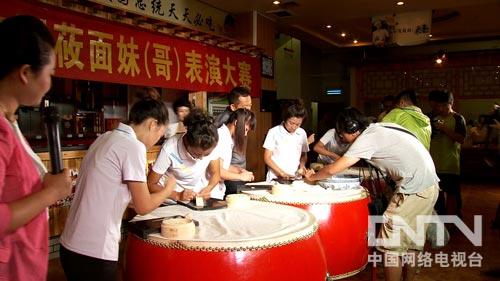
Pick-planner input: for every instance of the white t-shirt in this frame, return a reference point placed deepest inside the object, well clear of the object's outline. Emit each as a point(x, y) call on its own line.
point(332, 143)
point(398, 154)
point(171, 130)
point(102, 195)
point(189, 173)
point(286, 148)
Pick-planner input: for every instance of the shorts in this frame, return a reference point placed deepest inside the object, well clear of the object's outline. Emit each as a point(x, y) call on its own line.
point(403, 210)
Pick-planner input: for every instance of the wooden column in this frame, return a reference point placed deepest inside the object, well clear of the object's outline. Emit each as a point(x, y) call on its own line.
point(254, 28)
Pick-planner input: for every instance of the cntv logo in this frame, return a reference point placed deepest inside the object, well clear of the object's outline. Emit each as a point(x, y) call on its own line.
point(418, 237)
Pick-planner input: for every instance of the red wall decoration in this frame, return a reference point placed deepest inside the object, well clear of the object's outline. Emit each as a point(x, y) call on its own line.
point(96, 49)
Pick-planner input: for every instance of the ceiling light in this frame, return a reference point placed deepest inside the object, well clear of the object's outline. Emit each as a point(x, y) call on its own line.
point(430, 35)
point(328, 26)
point(440, 56)
point(400, 3)
point(343, 34)
point(276, 2)
point(355, 41)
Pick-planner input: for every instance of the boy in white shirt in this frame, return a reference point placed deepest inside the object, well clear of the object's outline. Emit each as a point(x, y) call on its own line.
point(286, 145)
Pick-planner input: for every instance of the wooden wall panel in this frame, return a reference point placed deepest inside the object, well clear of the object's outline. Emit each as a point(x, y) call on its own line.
point(244, 26)
point(255, 152)
point(266, 31)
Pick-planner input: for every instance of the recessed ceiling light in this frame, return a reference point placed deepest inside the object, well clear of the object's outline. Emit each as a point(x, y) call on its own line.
point(343, 34)
point(400, 3)
point(328, 26)
point(276, 2)
point(355, 41)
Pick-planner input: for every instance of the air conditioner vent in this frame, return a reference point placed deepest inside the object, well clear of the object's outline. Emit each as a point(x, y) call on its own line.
point(281, 13)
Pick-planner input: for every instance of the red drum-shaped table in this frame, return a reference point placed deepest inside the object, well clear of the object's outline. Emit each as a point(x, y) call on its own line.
point(262, 242)
point(342, 217)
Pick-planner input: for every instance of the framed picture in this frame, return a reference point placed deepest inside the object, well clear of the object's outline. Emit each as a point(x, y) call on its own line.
point(267, 64)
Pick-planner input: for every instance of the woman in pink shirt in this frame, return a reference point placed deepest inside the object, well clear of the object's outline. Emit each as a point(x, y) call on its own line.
point(27, 61)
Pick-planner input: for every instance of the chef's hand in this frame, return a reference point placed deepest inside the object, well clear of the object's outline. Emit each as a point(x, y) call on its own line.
point(205, 193)
point(59, 185)
point(309, 172)
point(246, 176)
point(301, 171)
point(286, 176)
point(187, 195)
point(310, 139)
point(307, 176)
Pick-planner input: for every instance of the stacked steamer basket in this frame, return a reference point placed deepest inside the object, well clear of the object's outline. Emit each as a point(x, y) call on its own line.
point(248, 241)
point(343, 221)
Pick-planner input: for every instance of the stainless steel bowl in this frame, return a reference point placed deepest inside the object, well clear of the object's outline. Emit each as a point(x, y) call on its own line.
point(341, 182)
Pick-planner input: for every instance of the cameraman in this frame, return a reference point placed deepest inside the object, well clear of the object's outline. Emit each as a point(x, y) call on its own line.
point(448, 134)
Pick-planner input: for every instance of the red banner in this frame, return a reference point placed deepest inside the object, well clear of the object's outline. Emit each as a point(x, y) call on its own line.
point(95, 49)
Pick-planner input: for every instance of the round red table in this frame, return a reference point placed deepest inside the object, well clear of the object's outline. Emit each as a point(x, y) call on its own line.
point(343, 222)
point(261, 242)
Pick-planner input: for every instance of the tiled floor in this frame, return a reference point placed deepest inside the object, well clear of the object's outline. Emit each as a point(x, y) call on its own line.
point(479, 199)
